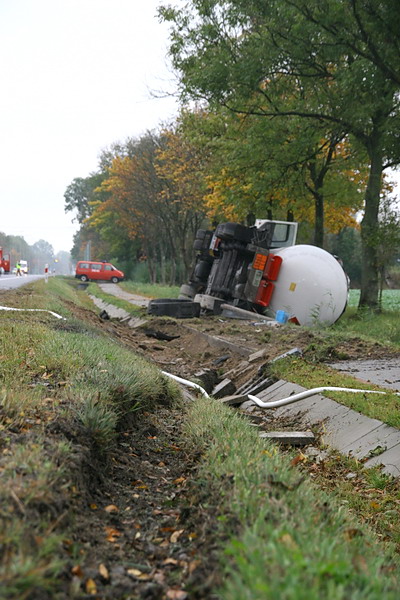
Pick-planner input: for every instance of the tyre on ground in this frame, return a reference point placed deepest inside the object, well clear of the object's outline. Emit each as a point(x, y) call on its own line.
point(174, 307)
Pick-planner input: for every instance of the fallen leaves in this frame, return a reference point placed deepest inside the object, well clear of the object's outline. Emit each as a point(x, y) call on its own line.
point(91, 587)
point(298, 459)
point(103, 572)
point(176, 595)
point(351, 533)
point(112, 534)
point(140, 575)
point(179, 480)
point(175, 536)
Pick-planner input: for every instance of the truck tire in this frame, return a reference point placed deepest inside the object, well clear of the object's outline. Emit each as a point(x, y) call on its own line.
point(84, 278)
point(202, 270)
point(201, 234)
point(173, 307)
point(187, 292)
point(198, 245)
point(114, 279)
point(234, 231)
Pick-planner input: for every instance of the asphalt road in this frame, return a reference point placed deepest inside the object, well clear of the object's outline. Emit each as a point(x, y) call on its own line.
point(11, 282)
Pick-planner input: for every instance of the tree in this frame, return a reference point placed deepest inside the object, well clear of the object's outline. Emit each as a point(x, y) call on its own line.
point(80, 192)
point(274, 168)
point(153, 194)
point(183, 189)
point(387, 240)
point(296, 58)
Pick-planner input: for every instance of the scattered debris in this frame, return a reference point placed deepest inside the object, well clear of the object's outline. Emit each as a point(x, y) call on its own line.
point(292, 352)
point(159, 335)
point(221, 359)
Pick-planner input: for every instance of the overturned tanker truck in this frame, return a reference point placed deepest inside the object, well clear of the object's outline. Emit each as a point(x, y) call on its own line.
point(260, 269)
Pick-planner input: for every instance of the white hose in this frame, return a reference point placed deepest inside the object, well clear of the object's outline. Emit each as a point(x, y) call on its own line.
point(187, 383)
point(33, 309)
point(307, 393)
point(283, 401)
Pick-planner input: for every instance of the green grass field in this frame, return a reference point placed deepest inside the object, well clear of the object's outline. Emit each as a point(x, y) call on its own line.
point(390, 299)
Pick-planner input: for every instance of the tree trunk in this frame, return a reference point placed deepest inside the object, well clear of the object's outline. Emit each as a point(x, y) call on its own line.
point(163, 274)
point(319, 219)
point(369, 251)
point(317, 178)
point(172, 277)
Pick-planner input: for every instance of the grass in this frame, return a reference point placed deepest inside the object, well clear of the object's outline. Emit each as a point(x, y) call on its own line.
point(57, 375)
point(369, 493)
point(287, 538)
point(151, 290)
point(383, 327)
point(284, 536)
point(390, 299)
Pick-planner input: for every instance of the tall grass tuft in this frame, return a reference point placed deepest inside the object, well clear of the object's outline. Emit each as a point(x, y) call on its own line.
point(286, 538)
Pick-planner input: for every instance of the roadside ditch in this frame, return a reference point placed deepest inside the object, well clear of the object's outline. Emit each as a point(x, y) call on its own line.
point(144, 519)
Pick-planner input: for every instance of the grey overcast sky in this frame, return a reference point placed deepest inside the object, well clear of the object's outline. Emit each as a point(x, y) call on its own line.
point(76, 76)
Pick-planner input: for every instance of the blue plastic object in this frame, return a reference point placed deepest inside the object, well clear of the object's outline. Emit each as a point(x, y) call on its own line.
point(281, 316)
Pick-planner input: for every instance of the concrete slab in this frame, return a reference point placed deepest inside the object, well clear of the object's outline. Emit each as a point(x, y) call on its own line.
point(383, 436)
point(113, 311)
point(314, 410)
point(343, 428)
point(389, 459)
point(280, 389)
point(309, 410)
point(115, 290)
point(221, 343)
point(291, 438)
point(384, 372)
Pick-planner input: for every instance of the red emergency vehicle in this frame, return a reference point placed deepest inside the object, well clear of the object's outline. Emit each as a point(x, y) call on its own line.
point(4, 261)
point(87, 270)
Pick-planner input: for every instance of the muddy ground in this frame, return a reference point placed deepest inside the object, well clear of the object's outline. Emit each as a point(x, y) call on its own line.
point(143, 527)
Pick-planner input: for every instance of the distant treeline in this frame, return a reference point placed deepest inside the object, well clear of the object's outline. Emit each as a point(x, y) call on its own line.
point(37, 255)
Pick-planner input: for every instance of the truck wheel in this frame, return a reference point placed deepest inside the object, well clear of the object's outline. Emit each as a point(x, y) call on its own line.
point(84, 278)
point(114, 279)
point(172, 307)
point(201, 234)
point(202, 271)
point(234, 231)
point(186, 292)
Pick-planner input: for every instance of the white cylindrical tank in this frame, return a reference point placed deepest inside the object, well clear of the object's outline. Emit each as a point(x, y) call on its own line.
point(311, 286)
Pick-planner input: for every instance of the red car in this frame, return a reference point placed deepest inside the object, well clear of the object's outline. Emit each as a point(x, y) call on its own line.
point(97, 271)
